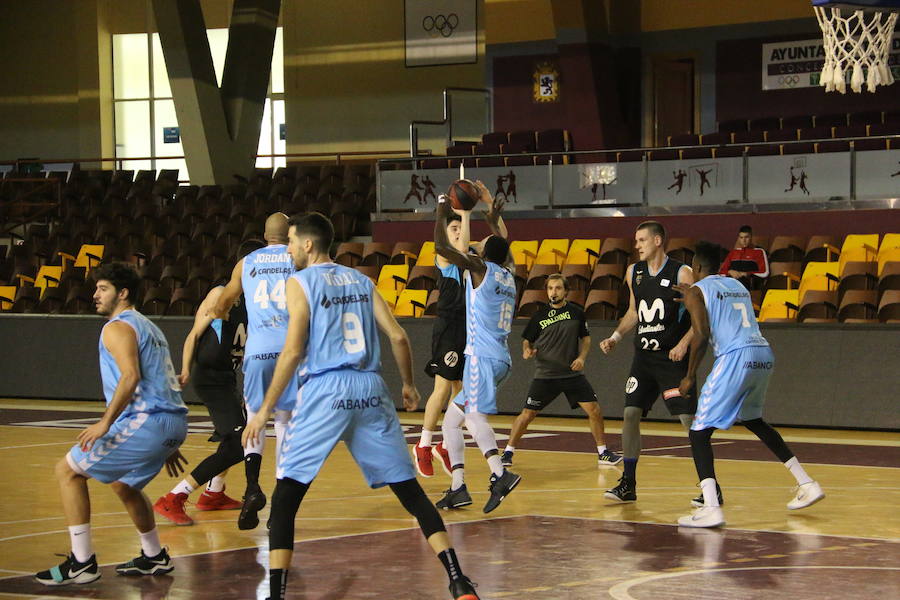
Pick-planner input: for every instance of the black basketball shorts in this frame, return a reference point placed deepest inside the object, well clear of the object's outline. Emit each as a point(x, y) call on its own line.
point(448, 341)
point(654, 374)
point(225, 408)
point(544, 391)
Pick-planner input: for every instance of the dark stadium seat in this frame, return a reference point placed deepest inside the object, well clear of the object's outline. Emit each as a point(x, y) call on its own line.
point(537, 277)
point(797, 122)
point(889, 307)
point(818, 306)
point(531, 302)
point(858, 306)
point(578, 276)
point(422, 277)
point(606, 276)
point(349, 254)
point(602, 305)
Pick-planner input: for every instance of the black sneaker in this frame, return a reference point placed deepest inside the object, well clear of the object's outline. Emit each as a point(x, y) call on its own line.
point(146, 565)
point(608, 459)
point(698, 501)
point(624, 492)
point(455, 498)
point(500, 488)
point(70, 571)
point(463, 589)
point(506, 458)
point(253, 503)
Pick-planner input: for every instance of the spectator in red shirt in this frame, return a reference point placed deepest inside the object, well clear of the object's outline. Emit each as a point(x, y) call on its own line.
point(746, 260)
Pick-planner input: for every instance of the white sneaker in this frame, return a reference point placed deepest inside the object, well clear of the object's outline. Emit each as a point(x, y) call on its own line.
point(708, 516)
point(807, 494)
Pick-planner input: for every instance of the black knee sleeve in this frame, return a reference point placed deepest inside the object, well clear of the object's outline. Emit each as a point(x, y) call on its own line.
point(416, 503)
point(771, 438)
point(701, 449)
point(228, 454)
point(285, 501)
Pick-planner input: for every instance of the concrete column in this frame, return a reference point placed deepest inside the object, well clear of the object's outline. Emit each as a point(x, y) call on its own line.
point(219, 128)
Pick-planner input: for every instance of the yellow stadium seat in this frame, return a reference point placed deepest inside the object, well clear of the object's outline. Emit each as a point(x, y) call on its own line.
point(819, 276)
point(89, 256)
point(889, 250)
point(890, 255)
point(584, 252)
point(48, 276)
point(426, 255)
point(411, 303)
point(389, 295)
point(552, 252)
point(524, 252)
point(393, 277)
point(780, 305)
point(7, 296)
point(860, 248)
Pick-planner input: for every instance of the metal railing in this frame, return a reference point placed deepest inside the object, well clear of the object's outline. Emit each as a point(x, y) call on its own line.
point(447, 121)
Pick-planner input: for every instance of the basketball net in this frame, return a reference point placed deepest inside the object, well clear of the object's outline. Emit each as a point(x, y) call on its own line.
point(860, 41)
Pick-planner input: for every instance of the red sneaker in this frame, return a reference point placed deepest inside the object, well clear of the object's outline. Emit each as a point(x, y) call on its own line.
point(444, 456)
point(217, 501)
point(171, 507)
point(422, 457)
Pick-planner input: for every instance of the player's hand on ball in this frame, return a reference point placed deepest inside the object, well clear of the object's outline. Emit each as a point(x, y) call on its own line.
point(607, 345)
point(685, 387)
point(678, 352)
point(174, 466)
point(577, 365)
point(410, 397)
point(254, 428)
point(90, 435)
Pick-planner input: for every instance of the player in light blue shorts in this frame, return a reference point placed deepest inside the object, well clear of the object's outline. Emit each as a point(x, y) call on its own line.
point(262, 277)
point(140, 431)
point(335, 314)
point(735, 390)
point(490, 291)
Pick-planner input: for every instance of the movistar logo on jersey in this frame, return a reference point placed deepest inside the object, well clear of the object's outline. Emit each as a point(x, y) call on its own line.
point(555, 319)
point(271, 258)
point(654, 312)
point(359, 403)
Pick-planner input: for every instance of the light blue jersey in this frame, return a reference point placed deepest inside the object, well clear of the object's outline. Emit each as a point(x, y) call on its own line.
point(263, 279)
point(489, 313)
point(732, 323)
point(158, 390)
point(342, 328)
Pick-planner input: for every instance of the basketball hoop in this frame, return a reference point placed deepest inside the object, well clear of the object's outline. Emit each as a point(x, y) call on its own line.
point(857, 37)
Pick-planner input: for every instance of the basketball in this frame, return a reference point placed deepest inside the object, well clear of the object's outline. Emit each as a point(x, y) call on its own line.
point(463, 194)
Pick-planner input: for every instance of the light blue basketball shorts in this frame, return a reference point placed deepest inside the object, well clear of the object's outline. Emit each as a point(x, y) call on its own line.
point(735, 389)
point(481, 379)
point(133, 450)
point(350, 406)
point(258, 370)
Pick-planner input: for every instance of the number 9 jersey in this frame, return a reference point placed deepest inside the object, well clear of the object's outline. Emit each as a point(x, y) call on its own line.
point(263, 279)
point(342, 328)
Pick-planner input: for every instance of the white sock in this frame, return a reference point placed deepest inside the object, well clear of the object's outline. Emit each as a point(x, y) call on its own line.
point(459, 478)
point(601, 449)
point(80, 535)
point(216, 484)
point(282, 417)
point(509, 449)
point(183, 488)
point(481, 431)
point(425, 440)
point(797, 471)
point(496, 465)
point(150, 543)
point(710, 497)
point(454, 442)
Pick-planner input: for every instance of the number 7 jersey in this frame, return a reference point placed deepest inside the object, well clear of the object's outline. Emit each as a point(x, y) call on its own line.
point(343, 333)
point(732, 323)
point(264, 278)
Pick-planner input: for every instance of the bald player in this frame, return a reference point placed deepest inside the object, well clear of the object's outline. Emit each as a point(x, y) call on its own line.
point(262, 276)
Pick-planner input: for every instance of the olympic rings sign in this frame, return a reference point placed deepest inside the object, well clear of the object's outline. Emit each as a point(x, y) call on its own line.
point(441, 24)
point(788, 80)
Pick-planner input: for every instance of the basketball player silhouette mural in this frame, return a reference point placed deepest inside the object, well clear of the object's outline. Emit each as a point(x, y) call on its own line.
point(704, 181)
point(414, 189)
point(679, 176)
point(429, 190)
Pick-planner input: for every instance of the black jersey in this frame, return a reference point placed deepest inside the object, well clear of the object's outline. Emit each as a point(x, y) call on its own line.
point(662, 322)
point(220, 348)
point(451, 303)
point(556, 333)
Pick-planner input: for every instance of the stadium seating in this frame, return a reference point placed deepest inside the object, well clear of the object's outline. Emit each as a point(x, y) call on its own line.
point(584, 252)
point(858, 306)
point(552, 252)
point(780, 306)
point(819, 276)
point(411, 303)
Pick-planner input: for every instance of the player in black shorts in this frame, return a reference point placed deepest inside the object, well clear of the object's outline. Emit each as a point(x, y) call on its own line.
point(557, 335)
point(214, 347)
point(661, 343)
point(448, 338)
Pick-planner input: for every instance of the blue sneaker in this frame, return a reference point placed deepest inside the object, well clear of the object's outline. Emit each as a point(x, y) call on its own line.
point(608, 459)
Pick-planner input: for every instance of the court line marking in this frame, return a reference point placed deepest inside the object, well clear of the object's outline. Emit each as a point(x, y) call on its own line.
point(835, 535)
point(620, 591)
point(71, 443)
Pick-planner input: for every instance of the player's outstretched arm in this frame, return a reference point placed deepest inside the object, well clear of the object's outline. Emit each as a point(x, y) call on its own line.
point(201, 321)
point(685, 278)
point(627, 322)
point(229, 294)
point(400, 348)
point(693, 302)
point(493, 211)
point(121, 342)
point(444, 248)
point(292, 354)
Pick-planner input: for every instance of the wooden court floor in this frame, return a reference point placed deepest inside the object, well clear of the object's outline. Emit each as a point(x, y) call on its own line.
point(555, 537)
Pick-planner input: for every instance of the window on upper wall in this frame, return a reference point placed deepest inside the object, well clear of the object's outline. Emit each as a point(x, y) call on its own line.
point(144, 110)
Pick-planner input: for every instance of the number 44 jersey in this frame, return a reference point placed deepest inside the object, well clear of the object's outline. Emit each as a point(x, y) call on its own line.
point(342, 328)
point(264, 278)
